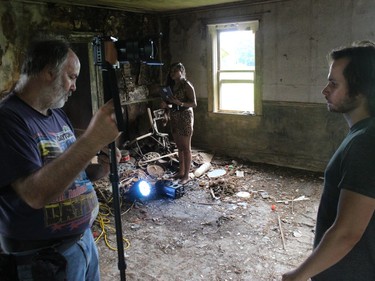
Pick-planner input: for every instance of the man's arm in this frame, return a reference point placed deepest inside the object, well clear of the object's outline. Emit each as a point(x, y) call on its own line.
point(48, 182)
point(354, 214)
point(190, 93)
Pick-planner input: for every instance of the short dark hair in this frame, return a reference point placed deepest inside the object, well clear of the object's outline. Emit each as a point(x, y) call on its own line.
point(42, 53)
point(174, 65)
point(360, 70)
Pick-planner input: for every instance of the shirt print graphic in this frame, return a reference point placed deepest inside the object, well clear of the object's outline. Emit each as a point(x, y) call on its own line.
point(75, 206)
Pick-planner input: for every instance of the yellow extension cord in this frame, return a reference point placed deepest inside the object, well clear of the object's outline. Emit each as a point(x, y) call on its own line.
point(104, 223)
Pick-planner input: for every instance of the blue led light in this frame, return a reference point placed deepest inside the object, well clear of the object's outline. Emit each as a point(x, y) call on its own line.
point(144, 188)
point(141, 190)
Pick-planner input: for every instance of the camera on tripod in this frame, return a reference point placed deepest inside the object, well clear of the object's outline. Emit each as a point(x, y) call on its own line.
point(108, 49)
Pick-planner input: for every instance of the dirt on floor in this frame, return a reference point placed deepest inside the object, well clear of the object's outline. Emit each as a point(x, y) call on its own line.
point(235, 222)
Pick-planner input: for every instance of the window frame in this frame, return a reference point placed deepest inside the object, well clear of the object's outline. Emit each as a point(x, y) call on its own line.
point(214, 72)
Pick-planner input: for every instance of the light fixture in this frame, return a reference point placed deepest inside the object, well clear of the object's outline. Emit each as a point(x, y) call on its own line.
point(169, 189)
point(141, 190)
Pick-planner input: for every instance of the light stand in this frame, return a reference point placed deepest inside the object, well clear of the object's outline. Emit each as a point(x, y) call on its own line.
point(108, 52)
point(116, 205)
point(111, 92)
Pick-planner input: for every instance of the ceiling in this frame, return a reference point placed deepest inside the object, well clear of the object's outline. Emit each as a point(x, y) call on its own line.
point(149, 6)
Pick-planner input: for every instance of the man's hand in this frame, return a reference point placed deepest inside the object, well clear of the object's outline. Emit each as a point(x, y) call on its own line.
point(102, 129)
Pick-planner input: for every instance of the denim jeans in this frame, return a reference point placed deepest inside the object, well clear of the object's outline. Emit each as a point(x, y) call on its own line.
point(82, 261)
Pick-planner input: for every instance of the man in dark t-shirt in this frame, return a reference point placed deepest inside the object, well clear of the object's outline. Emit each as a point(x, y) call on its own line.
point(344, 246)
point(47, 200)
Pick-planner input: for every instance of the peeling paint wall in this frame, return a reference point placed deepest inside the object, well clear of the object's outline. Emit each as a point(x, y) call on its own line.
point(20, 23)
point(295, 36)
point(294, 130)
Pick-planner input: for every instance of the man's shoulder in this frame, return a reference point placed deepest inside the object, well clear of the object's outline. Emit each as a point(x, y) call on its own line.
point(370, 130)
point(7, 100)
point(11, 109)
point(12, 105)
point(363, 138)
point(372, 122)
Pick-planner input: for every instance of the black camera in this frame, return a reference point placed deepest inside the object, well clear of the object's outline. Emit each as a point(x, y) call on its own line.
point(107, 49)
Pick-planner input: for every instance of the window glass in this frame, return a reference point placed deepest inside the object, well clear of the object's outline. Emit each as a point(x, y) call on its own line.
point(237, 50)
point(234, 64)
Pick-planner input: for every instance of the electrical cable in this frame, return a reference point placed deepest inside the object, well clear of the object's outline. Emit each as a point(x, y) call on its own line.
point(104, 224)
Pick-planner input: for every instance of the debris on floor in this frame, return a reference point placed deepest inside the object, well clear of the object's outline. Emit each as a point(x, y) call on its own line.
point(234, 221)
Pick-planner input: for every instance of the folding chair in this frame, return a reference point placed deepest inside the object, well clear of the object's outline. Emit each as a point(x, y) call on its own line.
point(162, 139)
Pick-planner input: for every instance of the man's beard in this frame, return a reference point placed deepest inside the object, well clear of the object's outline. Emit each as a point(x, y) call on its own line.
point(346, 105)
point(59, 103)
point(58, 92)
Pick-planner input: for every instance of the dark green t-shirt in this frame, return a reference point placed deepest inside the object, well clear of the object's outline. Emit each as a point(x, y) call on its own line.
point(352, 167)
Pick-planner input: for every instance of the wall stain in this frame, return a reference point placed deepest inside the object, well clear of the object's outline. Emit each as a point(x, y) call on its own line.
point(9, 26)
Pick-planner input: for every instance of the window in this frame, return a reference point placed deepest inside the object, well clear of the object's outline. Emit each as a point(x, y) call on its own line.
point(233, 67)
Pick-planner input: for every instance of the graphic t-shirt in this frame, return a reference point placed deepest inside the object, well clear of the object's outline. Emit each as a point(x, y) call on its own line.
point(29, 140)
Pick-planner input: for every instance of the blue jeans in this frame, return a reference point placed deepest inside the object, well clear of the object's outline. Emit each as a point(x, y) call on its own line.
point(82, 261)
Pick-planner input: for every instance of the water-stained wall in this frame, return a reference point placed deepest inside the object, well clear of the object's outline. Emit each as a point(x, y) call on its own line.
point(294, 128)
point(23, 22)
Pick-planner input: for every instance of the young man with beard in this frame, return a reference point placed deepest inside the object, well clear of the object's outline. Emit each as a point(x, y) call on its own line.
point(344, 246)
